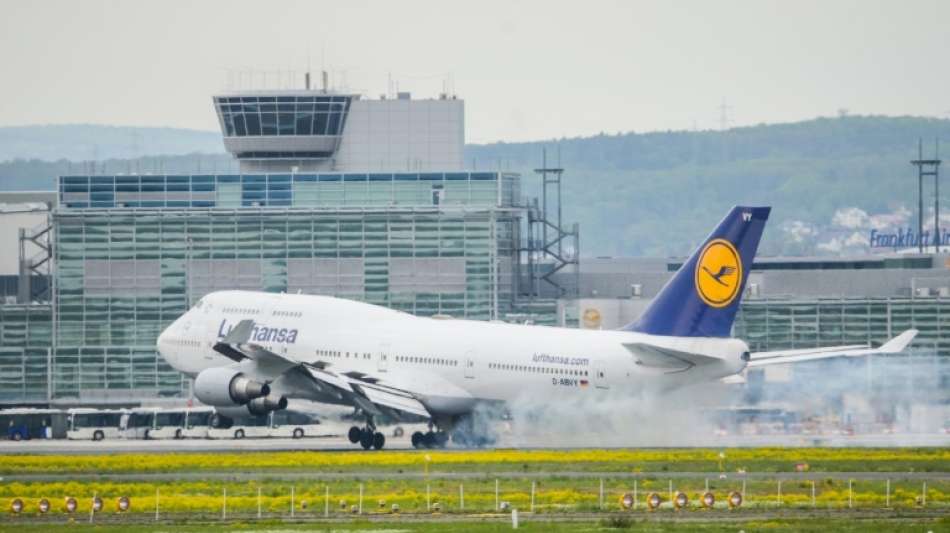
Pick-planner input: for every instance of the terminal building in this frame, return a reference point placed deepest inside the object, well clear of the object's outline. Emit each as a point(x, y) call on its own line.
point(789, 302)
point(336, 195)
point(370, 200)
point(315, 131)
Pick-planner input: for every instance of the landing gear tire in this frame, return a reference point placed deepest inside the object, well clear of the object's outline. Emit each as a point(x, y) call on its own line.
point(379, 440)
point(432, 439)
point(366, 439)
point(417, 439)
point(354, 434)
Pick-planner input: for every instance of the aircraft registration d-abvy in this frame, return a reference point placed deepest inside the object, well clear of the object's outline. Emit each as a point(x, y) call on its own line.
point(253, 350)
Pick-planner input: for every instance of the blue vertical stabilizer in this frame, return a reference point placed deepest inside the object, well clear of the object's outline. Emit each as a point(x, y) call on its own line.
point(703, 296)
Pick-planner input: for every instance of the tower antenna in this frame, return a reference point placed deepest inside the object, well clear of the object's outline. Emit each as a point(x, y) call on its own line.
point(724, 119)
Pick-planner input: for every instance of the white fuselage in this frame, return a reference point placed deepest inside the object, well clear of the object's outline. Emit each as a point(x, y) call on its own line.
point(451, 364)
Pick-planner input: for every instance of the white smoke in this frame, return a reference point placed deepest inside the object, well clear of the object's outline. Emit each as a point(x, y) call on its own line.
point(613, 418)
point(887, 401)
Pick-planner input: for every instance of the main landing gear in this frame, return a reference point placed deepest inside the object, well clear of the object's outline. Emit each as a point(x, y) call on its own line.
point(367, 436)
point(429, 439)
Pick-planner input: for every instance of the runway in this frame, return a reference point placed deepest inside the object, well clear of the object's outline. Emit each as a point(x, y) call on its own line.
point(541, 441)
point(110, 446)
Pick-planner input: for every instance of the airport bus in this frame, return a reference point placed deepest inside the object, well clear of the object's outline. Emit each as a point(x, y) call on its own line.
point(182, 423)
point(276, 424)
point(28, 423)
point(138, 423)
point(249, 426)
point(94, 424)
point(294, 424)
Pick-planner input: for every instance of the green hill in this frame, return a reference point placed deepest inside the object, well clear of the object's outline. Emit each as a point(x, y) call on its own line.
point(81, 142)
point(651, 194)
point(658, 193)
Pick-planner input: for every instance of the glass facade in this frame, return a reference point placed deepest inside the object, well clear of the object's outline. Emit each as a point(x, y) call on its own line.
point(474, 189)
point(26, 338)
point(131, 259)
point(248, 116)
point(790, 324)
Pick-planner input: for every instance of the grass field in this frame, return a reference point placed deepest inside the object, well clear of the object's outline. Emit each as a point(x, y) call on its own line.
point(808, 525)
point(585, 460)
point(546, 495)
point(554, 484)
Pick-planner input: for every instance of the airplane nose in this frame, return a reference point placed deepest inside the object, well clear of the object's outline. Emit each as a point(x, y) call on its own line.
point(161, 342)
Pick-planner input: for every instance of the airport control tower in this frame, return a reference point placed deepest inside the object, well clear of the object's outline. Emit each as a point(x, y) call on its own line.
point(319, 130)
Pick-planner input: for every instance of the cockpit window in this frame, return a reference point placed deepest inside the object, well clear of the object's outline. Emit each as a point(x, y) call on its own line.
point(200, 303)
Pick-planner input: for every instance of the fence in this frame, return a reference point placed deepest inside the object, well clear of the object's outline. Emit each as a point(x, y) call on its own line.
point(551, 494)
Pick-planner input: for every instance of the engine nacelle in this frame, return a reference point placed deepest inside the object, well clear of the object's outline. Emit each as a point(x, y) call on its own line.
point(266, 404)
point(223, 386)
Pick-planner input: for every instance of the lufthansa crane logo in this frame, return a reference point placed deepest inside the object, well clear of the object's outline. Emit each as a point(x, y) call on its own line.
point(718, 273)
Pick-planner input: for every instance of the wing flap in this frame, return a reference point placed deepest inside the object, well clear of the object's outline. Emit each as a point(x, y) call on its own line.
point(370, 396)
point(393, 399)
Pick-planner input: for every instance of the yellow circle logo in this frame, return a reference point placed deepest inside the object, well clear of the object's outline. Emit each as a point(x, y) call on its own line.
point(591, 318)
point(718, 273)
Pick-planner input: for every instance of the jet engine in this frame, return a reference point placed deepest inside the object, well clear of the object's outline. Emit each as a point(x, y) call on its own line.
point(223, 386)
point(265, 404)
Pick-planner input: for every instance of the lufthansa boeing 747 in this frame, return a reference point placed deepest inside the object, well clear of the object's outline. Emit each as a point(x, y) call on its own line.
point(254, 350)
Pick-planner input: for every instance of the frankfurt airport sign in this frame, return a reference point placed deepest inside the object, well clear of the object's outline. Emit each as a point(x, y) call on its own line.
point(905, 239)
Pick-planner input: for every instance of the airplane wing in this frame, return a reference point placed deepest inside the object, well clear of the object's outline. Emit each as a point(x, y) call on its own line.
point(371, 394)
point(895, 345)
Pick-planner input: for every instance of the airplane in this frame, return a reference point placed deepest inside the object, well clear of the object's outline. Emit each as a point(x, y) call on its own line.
point(252, 351)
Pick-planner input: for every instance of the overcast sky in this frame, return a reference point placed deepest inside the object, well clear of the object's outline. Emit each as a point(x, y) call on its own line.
point(527, 70)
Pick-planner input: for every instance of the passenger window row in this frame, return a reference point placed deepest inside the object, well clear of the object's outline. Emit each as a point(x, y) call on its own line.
point(185, 342)
point(288, 313)
point(241, 311)
point(537, 369)
point(334, 353)
point(426, 360)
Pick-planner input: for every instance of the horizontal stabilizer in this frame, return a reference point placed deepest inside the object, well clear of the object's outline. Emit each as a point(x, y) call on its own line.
point(652, 356)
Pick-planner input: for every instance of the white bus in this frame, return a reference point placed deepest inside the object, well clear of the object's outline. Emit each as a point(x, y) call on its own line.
point(277, 424)
point(184, 423)
point(94, 424)
point(138, 423)
point(295, 424)
point(252, 427)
